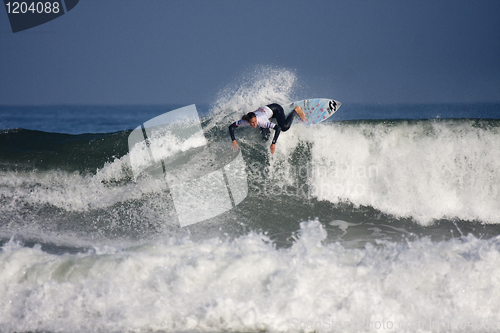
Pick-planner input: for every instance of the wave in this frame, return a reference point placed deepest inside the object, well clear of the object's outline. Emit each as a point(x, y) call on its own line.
point(80, 189)
point(423, 170)
point(26, 150)
point(248, 285)
point(393, 180)
point(426, 170)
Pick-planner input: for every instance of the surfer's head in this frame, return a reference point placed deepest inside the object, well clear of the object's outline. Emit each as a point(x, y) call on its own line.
point(250, 118)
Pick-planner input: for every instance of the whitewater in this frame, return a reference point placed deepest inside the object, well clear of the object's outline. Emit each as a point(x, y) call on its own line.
point(378, 224)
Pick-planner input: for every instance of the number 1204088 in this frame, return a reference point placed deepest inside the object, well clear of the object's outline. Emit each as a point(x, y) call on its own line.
point(33, 7)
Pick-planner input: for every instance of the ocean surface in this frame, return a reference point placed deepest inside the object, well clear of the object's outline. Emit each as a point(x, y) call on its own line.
point(386, 218)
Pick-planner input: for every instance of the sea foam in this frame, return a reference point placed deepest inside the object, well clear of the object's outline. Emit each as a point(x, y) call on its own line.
point(423, 170)
point(248, 285)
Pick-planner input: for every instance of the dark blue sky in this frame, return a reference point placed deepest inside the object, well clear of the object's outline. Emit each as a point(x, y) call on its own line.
point(185, 51)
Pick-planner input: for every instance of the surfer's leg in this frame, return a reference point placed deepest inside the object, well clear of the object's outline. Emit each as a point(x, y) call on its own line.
point(300, 112)
point(279, 115)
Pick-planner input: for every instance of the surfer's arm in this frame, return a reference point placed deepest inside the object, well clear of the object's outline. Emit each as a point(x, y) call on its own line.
point(277, 131)
point(234, 145)
point(231, 131)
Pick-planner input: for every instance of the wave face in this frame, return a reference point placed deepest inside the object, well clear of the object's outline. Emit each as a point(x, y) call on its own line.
point(351, 225)
point(422, 170)
point(425, 170)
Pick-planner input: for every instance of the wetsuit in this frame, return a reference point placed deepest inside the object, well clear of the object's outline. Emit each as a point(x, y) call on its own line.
point(263, 114)
point(279, 115)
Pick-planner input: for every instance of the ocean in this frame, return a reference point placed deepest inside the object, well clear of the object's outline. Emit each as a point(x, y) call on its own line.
point(385, 218)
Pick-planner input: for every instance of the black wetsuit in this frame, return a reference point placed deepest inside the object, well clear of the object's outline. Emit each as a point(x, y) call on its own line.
point(279, 115)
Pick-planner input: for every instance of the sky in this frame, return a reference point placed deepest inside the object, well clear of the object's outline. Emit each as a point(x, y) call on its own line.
point(145, 52)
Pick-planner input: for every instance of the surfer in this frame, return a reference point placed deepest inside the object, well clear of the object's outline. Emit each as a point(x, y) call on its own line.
point(261, 117)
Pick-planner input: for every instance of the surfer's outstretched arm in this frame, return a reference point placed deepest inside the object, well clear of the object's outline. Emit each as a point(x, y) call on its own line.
point(234, 146)
point(277, 131)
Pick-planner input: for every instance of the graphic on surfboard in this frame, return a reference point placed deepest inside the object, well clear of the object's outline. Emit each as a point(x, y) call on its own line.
point(316, 110)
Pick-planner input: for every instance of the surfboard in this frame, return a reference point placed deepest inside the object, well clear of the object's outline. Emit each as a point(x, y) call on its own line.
point(316, 110)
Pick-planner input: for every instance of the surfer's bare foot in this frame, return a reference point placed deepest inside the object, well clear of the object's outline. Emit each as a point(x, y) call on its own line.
point(299, 111)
